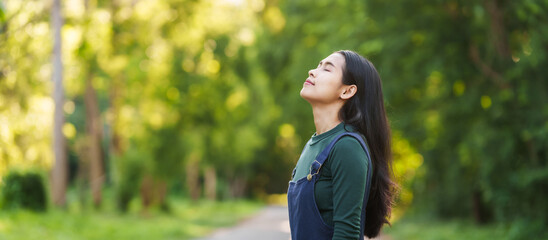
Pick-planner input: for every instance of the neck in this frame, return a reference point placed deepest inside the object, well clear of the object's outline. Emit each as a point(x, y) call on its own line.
point(326, 117)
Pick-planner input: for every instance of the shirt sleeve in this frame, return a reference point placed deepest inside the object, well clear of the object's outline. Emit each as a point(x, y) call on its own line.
point(348, 163)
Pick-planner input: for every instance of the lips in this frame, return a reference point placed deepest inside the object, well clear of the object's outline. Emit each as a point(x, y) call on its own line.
point(308, 82)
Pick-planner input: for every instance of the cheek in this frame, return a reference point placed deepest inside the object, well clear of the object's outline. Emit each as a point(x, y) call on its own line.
point(328, 92)
point(333, 86)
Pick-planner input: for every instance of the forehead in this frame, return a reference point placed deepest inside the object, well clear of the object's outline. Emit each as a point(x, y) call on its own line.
point(336, 58)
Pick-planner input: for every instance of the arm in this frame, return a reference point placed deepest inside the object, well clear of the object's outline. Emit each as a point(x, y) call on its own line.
point(348, 163)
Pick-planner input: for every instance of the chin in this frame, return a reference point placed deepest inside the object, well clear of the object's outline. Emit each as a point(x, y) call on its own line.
point(303, 93)
point(306, 96)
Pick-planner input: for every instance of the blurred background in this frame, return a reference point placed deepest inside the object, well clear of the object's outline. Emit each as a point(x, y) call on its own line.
point(166, 119)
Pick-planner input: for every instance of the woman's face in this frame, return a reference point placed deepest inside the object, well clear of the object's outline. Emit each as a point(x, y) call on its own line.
point(324, 84)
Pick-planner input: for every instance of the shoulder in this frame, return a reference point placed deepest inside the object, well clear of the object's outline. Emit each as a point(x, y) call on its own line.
point(349, 143)
point(348, 151)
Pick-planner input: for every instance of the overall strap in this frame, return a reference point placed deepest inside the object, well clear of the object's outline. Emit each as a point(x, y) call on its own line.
point(320, 159)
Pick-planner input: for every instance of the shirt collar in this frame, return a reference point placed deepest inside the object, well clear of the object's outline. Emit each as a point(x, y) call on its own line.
point(316, 138)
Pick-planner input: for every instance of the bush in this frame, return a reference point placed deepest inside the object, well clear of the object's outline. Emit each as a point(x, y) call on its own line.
point(24, 190)
point(130, 169)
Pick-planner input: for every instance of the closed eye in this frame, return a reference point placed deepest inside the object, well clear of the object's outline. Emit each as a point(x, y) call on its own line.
point(326, 65)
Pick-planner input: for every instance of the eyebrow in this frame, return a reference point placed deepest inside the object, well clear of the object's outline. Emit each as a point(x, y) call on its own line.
point(327, 63)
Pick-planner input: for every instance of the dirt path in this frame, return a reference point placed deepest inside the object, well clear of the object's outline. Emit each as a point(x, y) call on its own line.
point(271, 223)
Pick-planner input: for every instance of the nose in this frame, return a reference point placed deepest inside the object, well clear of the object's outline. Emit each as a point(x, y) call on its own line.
point(311, 73)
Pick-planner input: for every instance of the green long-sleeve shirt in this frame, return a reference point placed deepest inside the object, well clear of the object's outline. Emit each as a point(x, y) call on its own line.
point(339, 190)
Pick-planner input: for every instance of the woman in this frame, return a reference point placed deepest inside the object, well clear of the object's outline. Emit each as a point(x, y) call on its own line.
point(340, 181)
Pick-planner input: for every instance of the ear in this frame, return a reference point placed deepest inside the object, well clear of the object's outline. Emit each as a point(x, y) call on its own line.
point(348, 91)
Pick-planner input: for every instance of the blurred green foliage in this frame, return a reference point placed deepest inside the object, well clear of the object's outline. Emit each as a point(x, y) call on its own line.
point(188, 220)
point(471, 96)
point(23, 190)
point(130, 173)
point(464, 84)
point(415, 229)
point(203, 95)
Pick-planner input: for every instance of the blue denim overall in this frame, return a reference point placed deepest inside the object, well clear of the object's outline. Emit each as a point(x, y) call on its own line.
point(305, 220)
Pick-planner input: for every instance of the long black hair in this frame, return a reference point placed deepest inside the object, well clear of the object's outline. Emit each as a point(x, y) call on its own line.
point(365, 111)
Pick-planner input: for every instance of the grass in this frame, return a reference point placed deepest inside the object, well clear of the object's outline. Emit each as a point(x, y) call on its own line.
point(415, 229)
point(186, 220)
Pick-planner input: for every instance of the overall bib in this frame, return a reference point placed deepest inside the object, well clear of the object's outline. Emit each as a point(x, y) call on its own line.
point(305, 220)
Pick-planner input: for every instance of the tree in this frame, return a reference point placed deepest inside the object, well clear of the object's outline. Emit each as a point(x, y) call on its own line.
point(59, 171)
point(468, 80)
point(93, 120)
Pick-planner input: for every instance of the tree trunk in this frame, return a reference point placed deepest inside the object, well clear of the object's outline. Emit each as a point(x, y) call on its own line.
point(210, 182)
point(161, 194)
point(115, 148)
point(193, 177)
point(93, 128)
point(481, 212)
point(237, 187)
point(147, 192)
point(153, 191)
point(82, 175)
point(499, 36)
point(60, 171)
